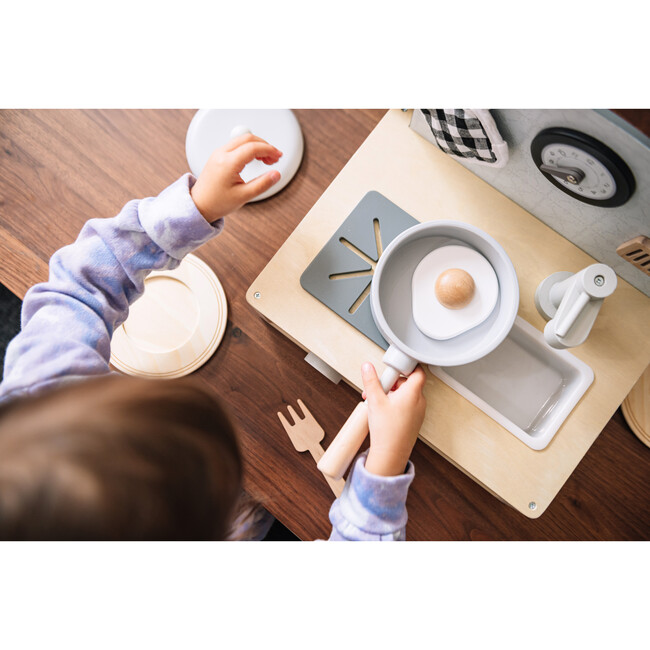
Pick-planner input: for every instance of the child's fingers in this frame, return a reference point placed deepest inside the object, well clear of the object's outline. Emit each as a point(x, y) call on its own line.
point(252, 150)
point(415, 381)
point(401, 380)
point(373, 390)
point(259, 185)
point(239, 140)
point(398, 383)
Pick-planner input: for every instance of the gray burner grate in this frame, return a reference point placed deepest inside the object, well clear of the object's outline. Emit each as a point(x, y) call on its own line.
point(340, 275)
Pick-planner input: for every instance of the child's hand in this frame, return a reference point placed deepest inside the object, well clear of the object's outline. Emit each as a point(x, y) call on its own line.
point(394, 420)
point(219, 189)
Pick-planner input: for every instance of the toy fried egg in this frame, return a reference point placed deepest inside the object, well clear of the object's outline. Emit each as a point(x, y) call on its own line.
point(454, 290)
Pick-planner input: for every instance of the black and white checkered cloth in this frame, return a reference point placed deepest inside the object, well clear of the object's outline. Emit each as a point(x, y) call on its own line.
point(459, 133)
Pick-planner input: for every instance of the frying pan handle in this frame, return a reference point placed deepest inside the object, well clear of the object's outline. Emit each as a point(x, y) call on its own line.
point(397, 361)
point(342, 450)
point(389, 377)
point(345, 446)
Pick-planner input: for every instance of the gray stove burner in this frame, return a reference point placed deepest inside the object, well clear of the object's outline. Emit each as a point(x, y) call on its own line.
point(340, 275)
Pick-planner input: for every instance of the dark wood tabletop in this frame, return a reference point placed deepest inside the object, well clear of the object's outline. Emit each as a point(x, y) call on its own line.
point(60, 168)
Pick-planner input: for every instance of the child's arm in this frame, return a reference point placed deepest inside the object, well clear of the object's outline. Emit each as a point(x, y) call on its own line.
point(373, 503)
point(68, 321)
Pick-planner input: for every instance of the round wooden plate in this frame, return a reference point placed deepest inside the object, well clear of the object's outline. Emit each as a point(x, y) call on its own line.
point(636, 408)
point(176, 326)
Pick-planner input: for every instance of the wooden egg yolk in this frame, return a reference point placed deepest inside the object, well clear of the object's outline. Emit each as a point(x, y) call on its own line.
point(455, 288)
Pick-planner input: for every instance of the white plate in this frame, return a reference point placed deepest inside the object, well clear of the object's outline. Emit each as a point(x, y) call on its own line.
point(176, 326)
point(212, 128)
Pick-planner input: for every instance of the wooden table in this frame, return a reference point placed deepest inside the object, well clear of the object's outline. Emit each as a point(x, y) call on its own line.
point(59, 168)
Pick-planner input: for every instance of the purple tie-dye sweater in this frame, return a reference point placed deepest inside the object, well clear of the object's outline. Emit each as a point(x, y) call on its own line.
point(68, 322)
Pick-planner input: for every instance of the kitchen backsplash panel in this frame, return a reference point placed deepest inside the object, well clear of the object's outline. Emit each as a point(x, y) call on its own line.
point(596, 230)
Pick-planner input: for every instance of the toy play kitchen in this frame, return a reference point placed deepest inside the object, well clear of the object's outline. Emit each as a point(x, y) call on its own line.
point(528, 359)
point(442, 293)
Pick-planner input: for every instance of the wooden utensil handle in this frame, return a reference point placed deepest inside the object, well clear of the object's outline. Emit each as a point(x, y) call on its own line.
point(337, 485)
point(345, 446)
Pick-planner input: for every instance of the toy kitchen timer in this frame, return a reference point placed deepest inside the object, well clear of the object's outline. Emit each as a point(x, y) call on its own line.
point(582, 167)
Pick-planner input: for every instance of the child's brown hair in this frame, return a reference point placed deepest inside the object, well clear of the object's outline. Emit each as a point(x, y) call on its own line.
point(118, 457)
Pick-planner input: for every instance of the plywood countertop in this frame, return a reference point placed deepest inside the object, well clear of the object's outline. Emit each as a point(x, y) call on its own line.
point(429, 185)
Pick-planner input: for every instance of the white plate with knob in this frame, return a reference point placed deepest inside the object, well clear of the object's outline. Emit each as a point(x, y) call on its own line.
point(212, 128)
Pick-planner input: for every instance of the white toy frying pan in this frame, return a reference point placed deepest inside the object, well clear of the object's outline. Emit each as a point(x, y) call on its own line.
point(391, 298)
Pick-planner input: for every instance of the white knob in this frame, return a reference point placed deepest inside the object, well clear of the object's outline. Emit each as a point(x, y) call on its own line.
point(240, 129)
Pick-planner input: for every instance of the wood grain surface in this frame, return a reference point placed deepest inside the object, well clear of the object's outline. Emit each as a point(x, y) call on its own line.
point(636, 408)
point(60, 168)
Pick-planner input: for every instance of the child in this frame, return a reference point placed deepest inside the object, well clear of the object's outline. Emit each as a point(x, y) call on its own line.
point(116, 457)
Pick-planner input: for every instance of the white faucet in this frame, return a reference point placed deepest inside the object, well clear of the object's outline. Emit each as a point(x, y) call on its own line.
point(571, 302)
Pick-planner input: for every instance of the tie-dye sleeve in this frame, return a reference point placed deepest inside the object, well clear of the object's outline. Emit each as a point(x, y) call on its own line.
point(371, 507)
point(68, 321)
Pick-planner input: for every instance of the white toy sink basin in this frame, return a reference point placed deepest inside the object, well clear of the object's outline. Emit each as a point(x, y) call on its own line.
point(525, 385)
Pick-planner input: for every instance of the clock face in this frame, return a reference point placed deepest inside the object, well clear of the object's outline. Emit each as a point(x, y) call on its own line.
point(582, 167)
point(598, 183)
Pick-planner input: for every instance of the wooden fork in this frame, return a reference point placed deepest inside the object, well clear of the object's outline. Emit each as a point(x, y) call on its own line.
point(305, 434)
